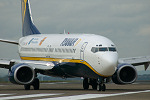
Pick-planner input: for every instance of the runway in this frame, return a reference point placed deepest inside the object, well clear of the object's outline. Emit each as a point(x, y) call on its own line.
point(74, 91)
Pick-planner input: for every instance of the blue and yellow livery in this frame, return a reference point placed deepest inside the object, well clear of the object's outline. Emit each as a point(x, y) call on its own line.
point(90, 56)
point(28, 27)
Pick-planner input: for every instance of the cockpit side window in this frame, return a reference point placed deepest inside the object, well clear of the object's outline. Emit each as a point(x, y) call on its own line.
point(94, 49)
point(112, 49)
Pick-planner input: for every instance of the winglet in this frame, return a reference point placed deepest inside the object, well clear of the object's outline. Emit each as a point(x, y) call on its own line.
point(146, 66)
point(28, 27)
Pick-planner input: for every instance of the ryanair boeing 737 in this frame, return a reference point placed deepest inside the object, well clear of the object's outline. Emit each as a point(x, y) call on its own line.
point(90, 56)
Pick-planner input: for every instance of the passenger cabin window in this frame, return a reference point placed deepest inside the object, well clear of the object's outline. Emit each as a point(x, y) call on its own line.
point(103, 49)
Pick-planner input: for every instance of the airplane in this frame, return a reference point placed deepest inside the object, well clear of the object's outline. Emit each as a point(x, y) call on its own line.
point(93, 57)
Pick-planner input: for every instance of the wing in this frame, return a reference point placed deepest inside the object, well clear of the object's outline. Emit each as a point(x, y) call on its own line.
point(135, 61)
point(41, 65)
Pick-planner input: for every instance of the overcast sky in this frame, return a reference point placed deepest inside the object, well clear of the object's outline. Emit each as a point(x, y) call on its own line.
point(125, 22)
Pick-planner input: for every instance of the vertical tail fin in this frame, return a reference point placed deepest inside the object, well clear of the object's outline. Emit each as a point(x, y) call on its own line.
point(28, 27)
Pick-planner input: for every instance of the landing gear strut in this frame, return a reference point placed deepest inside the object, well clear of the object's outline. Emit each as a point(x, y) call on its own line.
point(35, 84)
point(101, 86)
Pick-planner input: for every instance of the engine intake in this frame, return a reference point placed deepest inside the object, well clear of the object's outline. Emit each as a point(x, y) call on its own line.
point(125, 74)
point(21, 74)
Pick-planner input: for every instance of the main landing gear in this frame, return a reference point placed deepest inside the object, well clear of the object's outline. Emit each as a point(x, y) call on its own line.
point(95, 83)
point(35, 84)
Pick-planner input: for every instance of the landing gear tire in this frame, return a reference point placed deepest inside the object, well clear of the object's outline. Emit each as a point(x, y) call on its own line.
point(85, 84)
point(94, 84)
point(101, 87)
point(36, 84)
point(27, 87)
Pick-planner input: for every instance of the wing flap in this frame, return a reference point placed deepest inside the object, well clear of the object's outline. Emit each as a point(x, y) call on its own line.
point(6, 64)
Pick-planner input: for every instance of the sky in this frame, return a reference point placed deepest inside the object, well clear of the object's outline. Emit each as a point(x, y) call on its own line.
point(125, 22)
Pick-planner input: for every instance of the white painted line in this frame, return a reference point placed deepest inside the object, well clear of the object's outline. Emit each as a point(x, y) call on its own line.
point(48, 83)
point(26, 96)
point(135, 83)
point(5, 94)
point(56, 83)
point(2, 85)
point(91, 96)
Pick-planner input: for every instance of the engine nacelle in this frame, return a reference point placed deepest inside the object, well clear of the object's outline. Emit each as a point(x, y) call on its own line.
point(125, 74)
point(21, 74)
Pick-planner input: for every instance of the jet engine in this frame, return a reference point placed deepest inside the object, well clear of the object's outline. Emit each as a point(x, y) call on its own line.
point(125, 74)
point(22, 74)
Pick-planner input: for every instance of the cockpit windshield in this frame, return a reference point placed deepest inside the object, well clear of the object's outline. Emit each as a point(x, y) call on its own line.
point(103, 49)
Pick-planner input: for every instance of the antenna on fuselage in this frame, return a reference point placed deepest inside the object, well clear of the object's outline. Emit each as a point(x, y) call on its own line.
point(64, 31)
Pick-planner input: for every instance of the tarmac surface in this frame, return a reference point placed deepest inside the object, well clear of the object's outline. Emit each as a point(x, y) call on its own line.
point(74, 91)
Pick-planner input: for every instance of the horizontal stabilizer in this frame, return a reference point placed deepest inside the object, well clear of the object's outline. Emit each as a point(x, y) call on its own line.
point(9, 41)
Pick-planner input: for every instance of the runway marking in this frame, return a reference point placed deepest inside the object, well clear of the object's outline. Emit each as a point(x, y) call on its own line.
point(5, 94)
point(56, 83)
point(27, 96)
point(2, 85)
point(91, 96)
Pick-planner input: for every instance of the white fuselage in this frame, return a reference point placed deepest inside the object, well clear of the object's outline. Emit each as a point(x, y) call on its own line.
point(97, 52)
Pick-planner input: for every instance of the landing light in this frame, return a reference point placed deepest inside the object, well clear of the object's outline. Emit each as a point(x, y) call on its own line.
point(60, 61)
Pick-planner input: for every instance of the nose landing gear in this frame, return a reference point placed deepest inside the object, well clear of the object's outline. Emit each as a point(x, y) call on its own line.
point(101, 86)
point(95, 83)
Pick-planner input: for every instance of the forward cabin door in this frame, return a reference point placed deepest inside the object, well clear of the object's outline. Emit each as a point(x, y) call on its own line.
point(82, 50)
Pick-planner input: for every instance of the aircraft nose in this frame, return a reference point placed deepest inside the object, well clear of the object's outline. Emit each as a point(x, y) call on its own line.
point(109, 63)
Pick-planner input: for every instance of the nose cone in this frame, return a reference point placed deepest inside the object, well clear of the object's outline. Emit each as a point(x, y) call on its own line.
point(109, 62)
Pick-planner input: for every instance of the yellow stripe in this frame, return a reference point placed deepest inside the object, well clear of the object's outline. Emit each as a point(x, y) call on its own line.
point(77, 42)
point(24, 9)
point(62, 60)
point(42, 41)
